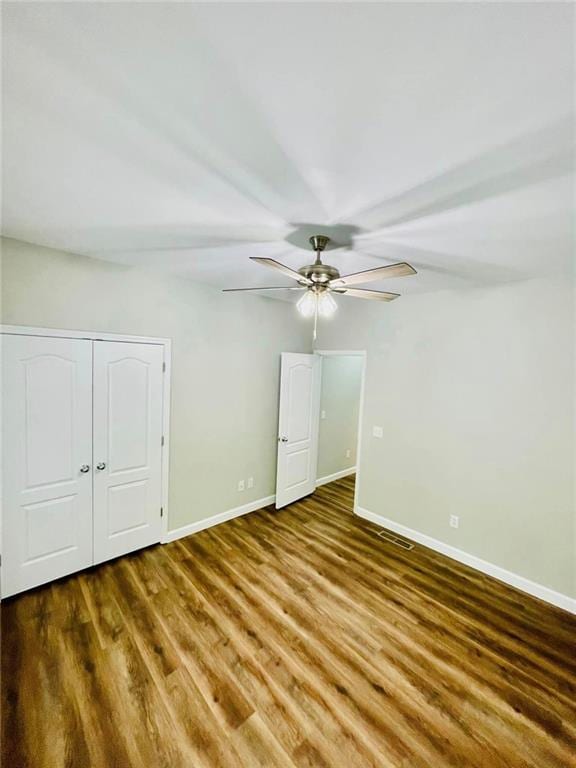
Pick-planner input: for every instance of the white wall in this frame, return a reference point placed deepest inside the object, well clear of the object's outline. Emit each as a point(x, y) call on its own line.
point(475, 392)
point(340, 403)
point(226, 361)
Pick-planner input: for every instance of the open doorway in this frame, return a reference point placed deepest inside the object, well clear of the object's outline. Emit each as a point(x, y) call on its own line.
point(320, 416)
point(340, 392)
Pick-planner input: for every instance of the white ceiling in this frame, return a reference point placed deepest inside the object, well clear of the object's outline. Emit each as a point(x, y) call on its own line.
point(189, 137)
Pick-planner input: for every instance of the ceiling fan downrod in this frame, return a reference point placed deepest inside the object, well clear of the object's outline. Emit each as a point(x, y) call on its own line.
point(319, 243)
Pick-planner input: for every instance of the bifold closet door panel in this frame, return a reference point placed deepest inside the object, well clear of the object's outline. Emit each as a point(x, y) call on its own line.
point(127, 447)
point(47, 459)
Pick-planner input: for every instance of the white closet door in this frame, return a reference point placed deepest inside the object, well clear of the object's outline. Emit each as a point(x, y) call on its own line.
point(298, 427)
point(127, 447)
point(47, 455)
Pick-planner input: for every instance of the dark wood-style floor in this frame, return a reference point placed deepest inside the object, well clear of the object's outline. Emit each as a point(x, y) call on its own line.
point(292, 638)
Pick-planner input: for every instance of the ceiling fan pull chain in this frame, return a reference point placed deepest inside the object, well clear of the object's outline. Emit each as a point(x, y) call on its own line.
point(316, 317)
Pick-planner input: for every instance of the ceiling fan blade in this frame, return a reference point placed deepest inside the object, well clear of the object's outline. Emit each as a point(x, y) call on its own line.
point(365, 293)
point(269, 288)
point(282, 268)
point(379, 273)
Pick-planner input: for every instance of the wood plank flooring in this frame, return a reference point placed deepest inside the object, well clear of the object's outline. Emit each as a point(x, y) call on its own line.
point(291, 638)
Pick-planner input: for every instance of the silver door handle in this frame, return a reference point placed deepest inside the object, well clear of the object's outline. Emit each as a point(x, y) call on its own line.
point(101, 465)
point(85, 468)
point(283, 439)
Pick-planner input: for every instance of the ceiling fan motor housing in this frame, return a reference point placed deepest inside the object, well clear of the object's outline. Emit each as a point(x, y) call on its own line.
point(319, 273)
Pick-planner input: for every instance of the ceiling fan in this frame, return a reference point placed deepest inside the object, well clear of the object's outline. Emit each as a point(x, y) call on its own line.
point(319, 281)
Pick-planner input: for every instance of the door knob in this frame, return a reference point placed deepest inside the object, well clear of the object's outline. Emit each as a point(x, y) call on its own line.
point(283, 439)
point(101, 465)
point(85, 468)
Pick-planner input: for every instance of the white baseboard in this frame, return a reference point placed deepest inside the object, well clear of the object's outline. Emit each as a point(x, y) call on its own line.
point(222, 517)
point(335, 476)
point(513, 579)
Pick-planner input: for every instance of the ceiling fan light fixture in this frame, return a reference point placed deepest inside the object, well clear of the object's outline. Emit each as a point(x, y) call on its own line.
point(326, 304)
point(315, 300)
point(306, 305)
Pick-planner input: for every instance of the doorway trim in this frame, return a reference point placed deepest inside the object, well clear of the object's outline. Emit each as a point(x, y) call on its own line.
point(27, 330)
point(353, 353)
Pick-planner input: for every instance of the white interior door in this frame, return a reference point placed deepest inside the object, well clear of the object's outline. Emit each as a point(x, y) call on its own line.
point(298, 427)
point(128, 392)
point(47, 457)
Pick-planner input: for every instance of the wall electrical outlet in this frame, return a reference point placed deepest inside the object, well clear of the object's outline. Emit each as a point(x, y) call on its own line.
point(377, 432)
point(250, 483)
point(347, 453)
point(454, 521)
point(240, 485)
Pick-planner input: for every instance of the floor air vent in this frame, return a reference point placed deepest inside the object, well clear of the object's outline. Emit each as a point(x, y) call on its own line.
point(395, 540)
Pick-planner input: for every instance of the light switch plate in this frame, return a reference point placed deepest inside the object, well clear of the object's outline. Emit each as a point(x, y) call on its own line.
point(323, 414)
point(377, 432)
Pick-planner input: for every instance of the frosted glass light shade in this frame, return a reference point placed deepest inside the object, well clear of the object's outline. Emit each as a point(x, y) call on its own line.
point(307, 304)
point(326, 304)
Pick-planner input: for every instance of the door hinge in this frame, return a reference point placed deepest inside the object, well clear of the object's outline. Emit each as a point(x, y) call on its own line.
point(163, 367)
point(161, 511)
point(162, 440)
